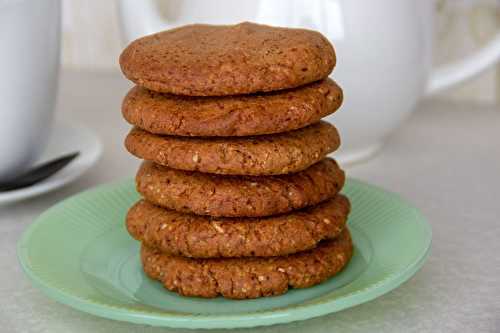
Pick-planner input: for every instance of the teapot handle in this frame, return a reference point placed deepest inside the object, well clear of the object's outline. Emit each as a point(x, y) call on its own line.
point(139, 18)
point(447, 75)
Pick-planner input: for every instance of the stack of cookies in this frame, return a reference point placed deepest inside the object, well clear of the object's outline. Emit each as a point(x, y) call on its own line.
point(239, 198)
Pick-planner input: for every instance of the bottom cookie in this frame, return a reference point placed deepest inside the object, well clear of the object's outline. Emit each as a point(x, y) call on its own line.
point(241, 278)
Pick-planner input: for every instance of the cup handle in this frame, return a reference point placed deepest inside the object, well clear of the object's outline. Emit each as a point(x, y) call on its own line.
point(139, 18)
point(447, 75)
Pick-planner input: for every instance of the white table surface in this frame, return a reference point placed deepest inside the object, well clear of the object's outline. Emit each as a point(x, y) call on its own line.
point(445, 159)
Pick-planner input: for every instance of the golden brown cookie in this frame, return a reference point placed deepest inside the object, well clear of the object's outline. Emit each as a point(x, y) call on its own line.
point(211, 60)
point(207, 237)
point(233, 196)
point(241, 115)
point(271, 154)
point(248, 277)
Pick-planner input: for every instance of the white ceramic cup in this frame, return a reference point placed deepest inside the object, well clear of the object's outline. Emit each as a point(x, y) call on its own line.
point(29, 64)
point(384, 53)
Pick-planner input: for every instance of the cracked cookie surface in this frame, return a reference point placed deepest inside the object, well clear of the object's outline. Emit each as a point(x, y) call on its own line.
point(211, 60)
point(236, 196)
point(242, 278)
point(240, 115)
point(270, 154)
point(207, 237)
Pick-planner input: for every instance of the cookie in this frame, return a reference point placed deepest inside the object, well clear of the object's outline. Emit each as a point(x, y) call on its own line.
point(241, 278)
point(236, 196)
point(241, 115)
point(211, 60)
point(271, 154)
point(207, 237)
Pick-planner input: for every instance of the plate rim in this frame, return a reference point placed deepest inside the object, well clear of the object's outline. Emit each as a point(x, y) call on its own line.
point(241, 319)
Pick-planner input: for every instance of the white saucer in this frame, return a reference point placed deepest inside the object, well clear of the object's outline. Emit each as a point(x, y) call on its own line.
point(65, 139)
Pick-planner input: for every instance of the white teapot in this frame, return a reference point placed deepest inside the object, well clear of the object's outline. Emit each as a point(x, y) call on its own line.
point(384, 53)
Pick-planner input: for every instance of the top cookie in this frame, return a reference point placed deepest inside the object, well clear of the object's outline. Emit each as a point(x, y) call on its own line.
point(211, 60)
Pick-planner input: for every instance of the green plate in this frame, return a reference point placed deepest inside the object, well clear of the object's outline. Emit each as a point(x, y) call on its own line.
point(79, 253)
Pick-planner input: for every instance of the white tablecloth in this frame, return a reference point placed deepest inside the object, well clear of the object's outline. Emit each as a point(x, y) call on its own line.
point(445, 160)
